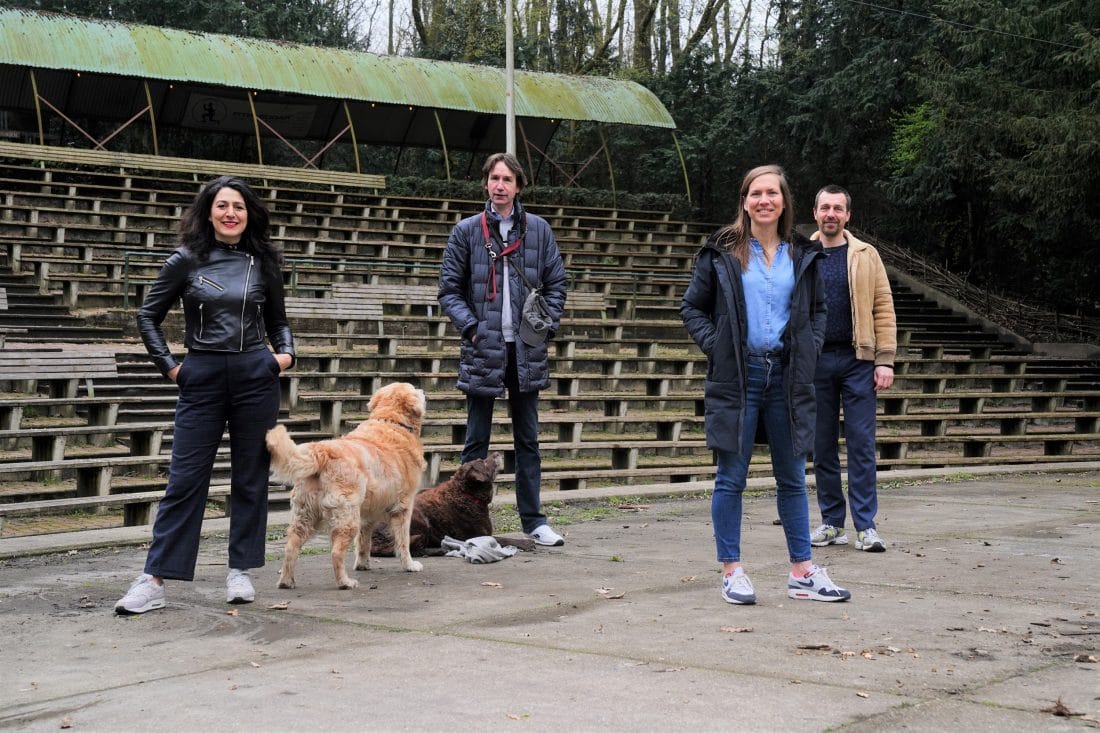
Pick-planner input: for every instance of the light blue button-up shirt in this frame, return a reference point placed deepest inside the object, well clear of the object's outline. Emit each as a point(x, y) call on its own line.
point(768, 297)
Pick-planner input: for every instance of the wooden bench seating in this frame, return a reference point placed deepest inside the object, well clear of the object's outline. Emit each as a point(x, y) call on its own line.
point(61, 369)
point(351, 303)
point(139, 508)
point(98, 410)
point(1007, 422)
point(7, 330)
point(981, 445)
point(49, 443)
point(93, 474)
point(975, 401)
point(193, 168)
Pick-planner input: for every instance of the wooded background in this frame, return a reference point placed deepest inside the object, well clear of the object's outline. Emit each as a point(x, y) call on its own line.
point(966, 130)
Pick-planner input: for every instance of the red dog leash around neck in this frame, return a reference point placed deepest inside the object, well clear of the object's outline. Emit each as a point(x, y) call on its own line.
point(491, 281)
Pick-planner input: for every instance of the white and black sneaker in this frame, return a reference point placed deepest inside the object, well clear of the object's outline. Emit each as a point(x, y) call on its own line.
point(816, 586)
point(543, 535)
point(737, 588)
point(869, 541)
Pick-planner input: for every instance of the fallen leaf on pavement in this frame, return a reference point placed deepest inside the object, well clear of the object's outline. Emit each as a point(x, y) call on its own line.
point(1059, 708)
point(233, 612)
point(736, 629)
point(615, 596)
point(1088, 658)
point(491, 584)
point(67, 722)
point(284, 605)
point(862, 694)
point(823, 647)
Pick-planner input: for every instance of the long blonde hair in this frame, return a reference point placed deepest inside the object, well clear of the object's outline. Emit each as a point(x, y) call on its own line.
point(735, 237)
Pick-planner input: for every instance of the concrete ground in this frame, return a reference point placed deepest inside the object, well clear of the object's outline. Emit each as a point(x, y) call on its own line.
point(982, 615)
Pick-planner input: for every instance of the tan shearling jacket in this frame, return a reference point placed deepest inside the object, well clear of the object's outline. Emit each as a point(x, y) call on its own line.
point(874, 325)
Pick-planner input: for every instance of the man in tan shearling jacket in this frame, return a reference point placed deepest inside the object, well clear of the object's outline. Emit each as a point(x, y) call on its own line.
point(856, 361)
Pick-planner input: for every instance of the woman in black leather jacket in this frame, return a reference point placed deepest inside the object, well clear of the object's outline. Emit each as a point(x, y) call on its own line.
point(227, 273)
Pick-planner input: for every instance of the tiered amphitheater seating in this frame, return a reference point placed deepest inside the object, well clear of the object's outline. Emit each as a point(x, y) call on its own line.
point(625, 404)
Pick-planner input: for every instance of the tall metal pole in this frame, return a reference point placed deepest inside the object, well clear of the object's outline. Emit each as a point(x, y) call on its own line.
point(509, 82)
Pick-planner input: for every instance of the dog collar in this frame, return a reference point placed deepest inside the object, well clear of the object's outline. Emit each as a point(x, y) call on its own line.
point(410, 428)
point(477, 499)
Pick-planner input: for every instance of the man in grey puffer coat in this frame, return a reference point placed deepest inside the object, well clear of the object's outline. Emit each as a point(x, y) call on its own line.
point(491, 261)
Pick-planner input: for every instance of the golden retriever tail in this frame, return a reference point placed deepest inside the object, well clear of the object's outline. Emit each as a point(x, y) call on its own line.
point(292, 462)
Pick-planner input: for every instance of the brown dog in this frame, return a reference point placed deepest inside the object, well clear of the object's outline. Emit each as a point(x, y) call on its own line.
point(457, 508)
point(350, 483)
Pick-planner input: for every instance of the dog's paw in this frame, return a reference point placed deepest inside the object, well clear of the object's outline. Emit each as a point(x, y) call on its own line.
point(414, 567)
point(286, 584)
point(349, 584)
point(362, 566)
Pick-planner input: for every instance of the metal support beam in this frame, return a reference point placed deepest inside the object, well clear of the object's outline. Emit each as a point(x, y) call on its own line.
point(443, 142)
point(256, 127)
point(38, 109)
point(683, 165)
point(152, 117)
point(354, 139)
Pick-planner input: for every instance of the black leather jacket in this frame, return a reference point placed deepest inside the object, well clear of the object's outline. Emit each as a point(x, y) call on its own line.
point(227, 306)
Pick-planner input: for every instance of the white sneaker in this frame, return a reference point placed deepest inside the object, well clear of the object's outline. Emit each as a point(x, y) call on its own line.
point(144, 595)
point(869, 541)
point(238, 587)
point(817, 586)
point(737, 588)
point(543, 535)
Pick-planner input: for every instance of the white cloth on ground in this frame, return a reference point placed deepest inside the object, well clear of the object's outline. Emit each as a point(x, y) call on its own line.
point(478, 550)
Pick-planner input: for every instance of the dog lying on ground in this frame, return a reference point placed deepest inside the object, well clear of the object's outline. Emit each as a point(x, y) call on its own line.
point(350, 483)
point(457, 508)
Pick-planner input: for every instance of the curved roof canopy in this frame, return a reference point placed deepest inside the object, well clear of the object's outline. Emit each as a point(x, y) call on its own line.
point(202, 80)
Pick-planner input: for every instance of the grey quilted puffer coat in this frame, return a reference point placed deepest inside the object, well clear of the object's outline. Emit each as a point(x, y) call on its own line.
point(464, 290)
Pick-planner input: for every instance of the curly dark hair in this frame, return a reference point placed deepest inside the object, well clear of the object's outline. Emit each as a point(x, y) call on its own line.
point(197, 233)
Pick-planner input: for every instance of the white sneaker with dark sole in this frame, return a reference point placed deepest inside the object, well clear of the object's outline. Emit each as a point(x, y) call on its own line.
point(545, 536)
point(816, 587)
point(828, 535)
point(737, 588)
point(869, 541)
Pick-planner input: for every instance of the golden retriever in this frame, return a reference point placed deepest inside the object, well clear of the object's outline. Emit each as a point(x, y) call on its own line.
point(349, 483)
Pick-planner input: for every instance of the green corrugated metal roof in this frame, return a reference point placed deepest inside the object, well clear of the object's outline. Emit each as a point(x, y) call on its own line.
point(65, 42)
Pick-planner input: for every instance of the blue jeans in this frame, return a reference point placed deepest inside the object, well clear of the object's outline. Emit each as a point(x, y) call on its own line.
point(843, 379)
point(525, 440)
point(765, 400)
point(240, 390)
